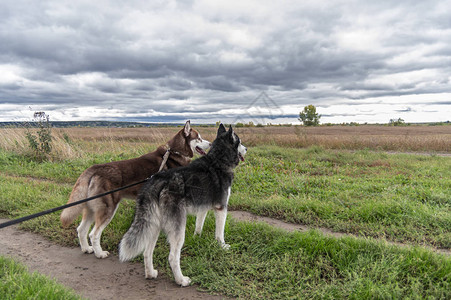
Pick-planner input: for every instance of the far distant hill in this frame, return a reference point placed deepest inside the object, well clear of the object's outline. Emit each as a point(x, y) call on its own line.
point(117, 124)
point(63, 124)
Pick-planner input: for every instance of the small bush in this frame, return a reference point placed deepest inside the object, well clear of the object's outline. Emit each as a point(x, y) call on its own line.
point(40, 142)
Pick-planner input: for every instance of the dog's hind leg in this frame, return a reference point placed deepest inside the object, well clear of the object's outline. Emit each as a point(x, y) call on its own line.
point(200, 219)
point(176, 237)
point(102, 219)
point(83, 229)
point(148, 253)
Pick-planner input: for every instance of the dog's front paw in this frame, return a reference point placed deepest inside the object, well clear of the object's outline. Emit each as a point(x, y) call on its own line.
point(102, 254)
point(185, 281)
point(225, 246)
point(88, 249)
point(151, 274)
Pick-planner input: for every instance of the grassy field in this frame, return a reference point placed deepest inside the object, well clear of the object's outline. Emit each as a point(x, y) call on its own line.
point(403, 198)
point(302, 175)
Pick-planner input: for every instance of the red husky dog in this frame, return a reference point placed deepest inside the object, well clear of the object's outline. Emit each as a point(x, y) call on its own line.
point(109, 176)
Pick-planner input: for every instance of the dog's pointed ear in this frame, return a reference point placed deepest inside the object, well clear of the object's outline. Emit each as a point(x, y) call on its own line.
point(221, 129)
point(231, 134)
point(187, 128)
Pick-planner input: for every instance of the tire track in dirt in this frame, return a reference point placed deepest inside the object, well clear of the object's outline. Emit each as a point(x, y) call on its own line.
point(89, 276)
point(249, 217)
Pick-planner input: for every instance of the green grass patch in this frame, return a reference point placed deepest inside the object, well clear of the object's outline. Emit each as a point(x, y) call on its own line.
point(404, 198)
point(398, 197)
point(268, 263)
point(17, 283)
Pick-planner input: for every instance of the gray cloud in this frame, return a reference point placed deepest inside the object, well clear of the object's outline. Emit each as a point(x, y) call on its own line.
point(187, 56)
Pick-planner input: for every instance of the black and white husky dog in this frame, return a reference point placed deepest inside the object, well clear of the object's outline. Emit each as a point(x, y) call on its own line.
point(169, 196)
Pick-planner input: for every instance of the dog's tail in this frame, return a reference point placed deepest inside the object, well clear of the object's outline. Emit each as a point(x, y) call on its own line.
point(79, 192)
point(138, 235)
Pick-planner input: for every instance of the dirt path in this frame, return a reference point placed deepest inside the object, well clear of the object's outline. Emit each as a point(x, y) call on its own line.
point(90, 277)
point(108, 278)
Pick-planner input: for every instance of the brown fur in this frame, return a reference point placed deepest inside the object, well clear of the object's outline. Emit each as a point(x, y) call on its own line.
point(109, 176)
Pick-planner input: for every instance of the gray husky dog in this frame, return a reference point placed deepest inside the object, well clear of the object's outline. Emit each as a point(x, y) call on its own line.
point(169, 196)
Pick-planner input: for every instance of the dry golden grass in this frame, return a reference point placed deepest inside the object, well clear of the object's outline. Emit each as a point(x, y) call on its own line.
point(13, 139)
point(75, 142)
point(409, 138)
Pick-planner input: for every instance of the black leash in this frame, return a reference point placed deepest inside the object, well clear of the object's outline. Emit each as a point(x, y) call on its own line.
point(26, 218)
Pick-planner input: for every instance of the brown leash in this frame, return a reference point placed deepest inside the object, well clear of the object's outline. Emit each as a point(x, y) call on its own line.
point(166, 156)
point(165, 159)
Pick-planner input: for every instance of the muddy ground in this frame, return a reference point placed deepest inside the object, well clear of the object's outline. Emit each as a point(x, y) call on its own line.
point(89, 276)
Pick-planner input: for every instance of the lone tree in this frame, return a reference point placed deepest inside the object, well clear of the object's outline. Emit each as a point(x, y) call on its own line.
point(309, 116)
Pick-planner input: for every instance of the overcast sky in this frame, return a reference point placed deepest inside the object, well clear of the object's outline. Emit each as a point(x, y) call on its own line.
point(208, 61)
